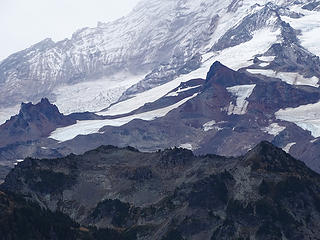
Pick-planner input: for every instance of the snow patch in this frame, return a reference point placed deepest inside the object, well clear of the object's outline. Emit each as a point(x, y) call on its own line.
point(306, 116)
point(288, 77)
point(186, 146)
point(242, 92)
point(18, 161)
point(267, 58)
point(264, 64)
point(180, 90)
point(93, 126)
point(288, 147)
point(314, 140)
point(210, 126)
point(274, 129)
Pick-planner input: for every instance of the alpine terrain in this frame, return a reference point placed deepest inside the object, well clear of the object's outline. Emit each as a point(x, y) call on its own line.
point(204, 117)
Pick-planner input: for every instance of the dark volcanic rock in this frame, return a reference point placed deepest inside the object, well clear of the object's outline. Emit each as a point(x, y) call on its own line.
point(32, 123)
point(266, 194)
point(21, 219)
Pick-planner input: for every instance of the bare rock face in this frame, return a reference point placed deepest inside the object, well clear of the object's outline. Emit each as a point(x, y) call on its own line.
point(266, 194)
point(33, 122)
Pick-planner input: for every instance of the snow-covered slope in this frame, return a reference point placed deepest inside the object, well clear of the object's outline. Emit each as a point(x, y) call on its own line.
point(306, 116)
point(159, 42)
point(93, 126)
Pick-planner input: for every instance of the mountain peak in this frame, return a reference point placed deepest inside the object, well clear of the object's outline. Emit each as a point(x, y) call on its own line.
point(267, 157)
point(215, 68)
point(28, 110)
point(224, 76)
point(32, 122)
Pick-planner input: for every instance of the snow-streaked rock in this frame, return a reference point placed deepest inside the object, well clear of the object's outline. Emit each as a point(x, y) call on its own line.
point(274, 129)
point(242, 93)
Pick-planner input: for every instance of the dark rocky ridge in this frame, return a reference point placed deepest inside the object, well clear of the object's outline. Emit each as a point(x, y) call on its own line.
point(32, 123)
point(172, 194)
point(21, 219)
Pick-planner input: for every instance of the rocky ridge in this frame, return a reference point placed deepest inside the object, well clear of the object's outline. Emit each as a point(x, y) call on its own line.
point(172, 194)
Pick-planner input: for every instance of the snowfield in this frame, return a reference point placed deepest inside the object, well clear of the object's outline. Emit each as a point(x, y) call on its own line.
point(288, 77)
point(186, 146)
point(307, 117)
point(94, 95)
point(234, 57)
point(93, 126)
point(242, 55)
point(309, 26)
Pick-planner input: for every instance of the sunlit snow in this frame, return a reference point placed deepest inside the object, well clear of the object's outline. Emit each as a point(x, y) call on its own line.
point(94, 95)
point(242, 92)
point(309, 27)
point(288, 147)
point(274, 129)
point(288, 77)
point(93, 126)
point(267, 58)
point(306, 116)
point(210, 126)
point(180, 90)
point(186, 146)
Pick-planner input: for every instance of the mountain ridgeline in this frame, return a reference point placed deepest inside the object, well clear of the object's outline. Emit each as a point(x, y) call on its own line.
point(170, 194)
point(184, 120)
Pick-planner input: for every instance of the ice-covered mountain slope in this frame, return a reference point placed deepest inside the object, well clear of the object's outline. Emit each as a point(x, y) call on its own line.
point(157, 42)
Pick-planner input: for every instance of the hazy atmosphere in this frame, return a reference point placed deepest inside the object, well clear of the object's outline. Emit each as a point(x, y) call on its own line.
point(24, 23)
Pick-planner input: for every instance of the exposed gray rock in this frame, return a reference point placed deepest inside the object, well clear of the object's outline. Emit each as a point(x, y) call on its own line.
point(172, 194)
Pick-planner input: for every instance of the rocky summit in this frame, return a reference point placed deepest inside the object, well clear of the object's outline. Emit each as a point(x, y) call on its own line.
point(173, 194)
point(33, 122)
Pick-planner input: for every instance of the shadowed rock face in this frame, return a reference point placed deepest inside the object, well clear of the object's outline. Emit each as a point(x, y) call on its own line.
point(21, 219)
point(172, 194)
point(25, 220)
point(32, 123)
